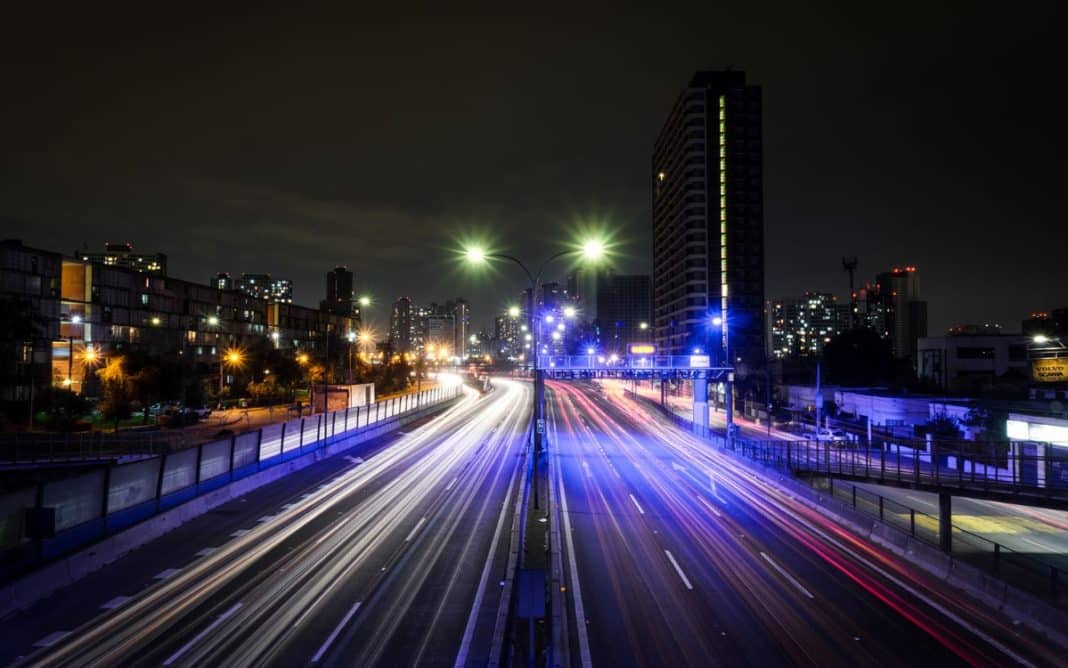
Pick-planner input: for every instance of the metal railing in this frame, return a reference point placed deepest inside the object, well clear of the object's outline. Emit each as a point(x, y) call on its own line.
point(44, 447)
point(99, 499)
point(1021, 570)
point(1024, 571)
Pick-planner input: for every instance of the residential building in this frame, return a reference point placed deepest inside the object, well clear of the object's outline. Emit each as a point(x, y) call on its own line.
point(708, 222)
point(123, 255)
point(82, 312)
point(403, 324)
point(801, 326)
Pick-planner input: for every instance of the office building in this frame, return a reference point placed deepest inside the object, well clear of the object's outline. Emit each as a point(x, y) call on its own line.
point(802, 326)
point(624, 311)
point(970, 360)
point(123, 255)
point(340, 296)
point(708, 221)
point(891, 306)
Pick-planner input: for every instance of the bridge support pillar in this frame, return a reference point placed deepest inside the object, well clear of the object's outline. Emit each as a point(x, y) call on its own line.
point(700, 401)
point(945, 522)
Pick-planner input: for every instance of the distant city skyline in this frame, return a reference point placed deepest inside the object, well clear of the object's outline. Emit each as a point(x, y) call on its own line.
point(874, 144)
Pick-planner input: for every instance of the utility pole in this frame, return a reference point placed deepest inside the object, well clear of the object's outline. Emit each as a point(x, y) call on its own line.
point(849, 264)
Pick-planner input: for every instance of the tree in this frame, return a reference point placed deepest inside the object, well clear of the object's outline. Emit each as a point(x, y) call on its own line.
point(61, 408)
point(116, 389)
point(859, 358)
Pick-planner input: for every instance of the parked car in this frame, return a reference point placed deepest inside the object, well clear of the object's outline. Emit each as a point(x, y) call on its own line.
point(832, 435)
point(201, 412)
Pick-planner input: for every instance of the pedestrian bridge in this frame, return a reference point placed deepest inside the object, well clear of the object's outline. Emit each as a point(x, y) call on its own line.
point(629, 366)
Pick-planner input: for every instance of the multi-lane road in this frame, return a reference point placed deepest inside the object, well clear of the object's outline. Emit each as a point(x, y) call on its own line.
point(394, 554)
point(678, 555)
point(391, 560)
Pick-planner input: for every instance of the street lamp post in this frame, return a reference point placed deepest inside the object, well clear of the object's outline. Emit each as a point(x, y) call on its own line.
point(233, 358)
point(728, 398)
point(591, 250)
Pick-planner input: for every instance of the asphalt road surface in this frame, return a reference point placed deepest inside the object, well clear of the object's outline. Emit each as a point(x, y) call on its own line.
point(676, 554)
point(390, 560)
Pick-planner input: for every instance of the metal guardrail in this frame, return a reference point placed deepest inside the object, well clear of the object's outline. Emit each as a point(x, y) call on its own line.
point(59, 447)
point(1021, 570)
point(101, 499)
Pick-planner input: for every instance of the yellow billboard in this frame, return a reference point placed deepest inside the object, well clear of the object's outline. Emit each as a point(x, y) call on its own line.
point(1053, 370)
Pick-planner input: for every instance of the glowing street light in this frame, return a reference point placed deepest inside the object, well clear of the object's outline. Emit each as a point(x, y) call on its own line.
point(231, 357)
point(513, 311)
point(643, 325)
point(1040, 338)
point(716, 321)
point(593, 249)
point(475, 255)
point(364, 301)
point(589, 249)
point(213, 320)
point(569, 312)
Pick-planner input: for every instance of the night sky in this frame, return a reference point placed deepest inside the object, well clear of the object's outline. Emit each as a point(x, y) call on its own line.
point(269, 141)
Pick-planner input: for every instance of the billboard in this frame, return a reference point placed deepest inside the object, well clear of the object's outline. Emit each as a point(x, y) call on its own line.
point(1053, 370)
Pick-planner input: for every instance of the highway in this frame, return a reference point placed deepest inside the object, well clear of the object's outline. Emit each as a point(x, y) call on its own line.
point(1038, 532)
point(675, 554)
point(392, 560)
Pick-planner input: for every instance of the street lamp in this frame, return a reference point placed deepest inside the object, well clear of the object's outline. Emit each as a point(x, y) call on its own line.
point(351, 338)
point(233, 358)
point(589, 249)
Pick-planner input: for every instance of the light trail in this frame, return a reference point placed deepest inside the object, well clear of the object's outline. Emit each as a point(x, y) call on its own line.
point(865, 591)
point(336, 536)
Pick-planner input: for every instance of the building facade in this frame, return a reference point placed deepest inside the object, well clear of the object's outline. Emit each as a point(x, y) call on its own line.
point(82, 312)
point(801, 326)
point(891, 306)
point(340, 294)
point(967, 363)
point(708, 221)
point(624, 311)
point(123, 255)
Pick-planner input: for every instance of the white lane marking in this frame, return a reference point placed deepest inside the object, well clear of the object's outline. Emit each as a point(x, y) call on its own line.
point(678, 569)
point(355, 461)
point(637, 504)
point(115, 602)
point(782, 572)
point(265, 518)
point(678, 467)
point(586, 465)
point(288, 506)
point(941, 609)
point(708, 504)
point(449, 486)
point(469, 630)
point(415, 529)
point(207, 552)
point(239, 533)
point(576, 590)
point(51, 639)
point(337, 629)
point(163, 575)
point(200, 636)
